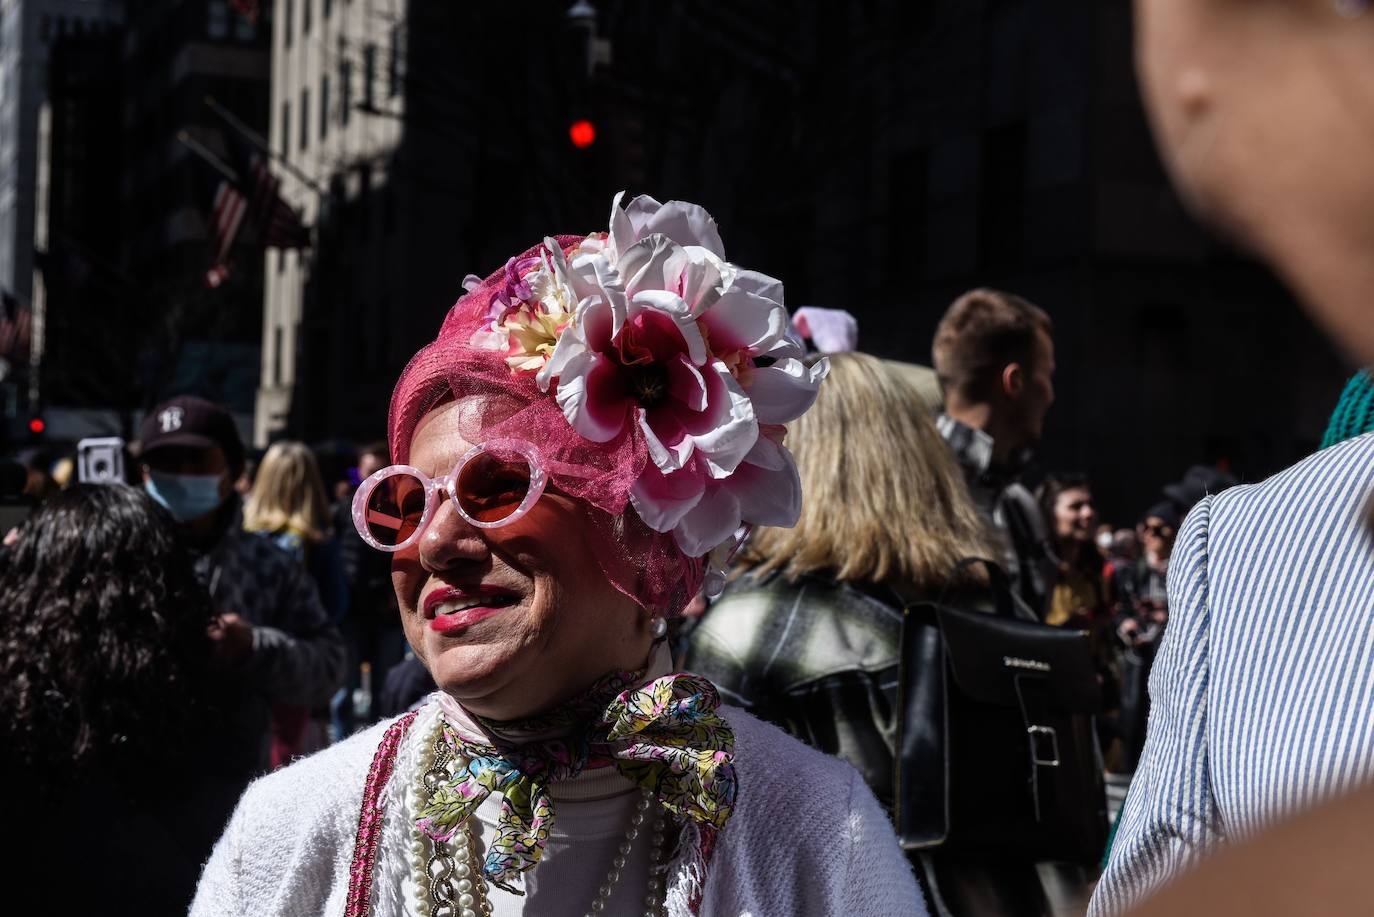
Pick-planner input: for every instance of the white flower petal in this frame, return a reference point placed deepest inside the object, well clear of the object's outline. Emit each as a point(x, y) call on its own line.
point(768, 453)
point(652, 263)
point(582, 394)
point(758, 284)
point(662, 500)
point(737, 430)
point(745, 321)
point(768, 496)
point(666, 458)
point(672, 305)
point(713, 519)
point(571, 343)
point(491, 339)
point(683, 222)
point(685, 384)
point(622, 234)
point(786, 390)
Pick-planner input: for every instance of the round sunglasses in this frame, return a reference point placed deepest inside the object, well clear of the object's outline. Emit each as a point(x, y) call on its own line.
point(493, 484)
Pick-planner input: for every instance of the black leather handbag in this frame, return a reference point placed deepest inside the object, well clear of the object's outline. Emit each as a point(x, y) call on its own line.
point(997, 752)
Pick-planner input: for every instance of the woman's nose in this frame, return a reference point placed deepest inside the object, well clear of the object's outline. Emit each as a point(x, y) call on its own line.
point(450, 540)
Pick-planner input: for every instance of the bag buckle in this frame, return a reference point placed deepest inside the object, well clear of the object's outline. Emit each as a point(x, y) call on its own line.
point(1044, 743)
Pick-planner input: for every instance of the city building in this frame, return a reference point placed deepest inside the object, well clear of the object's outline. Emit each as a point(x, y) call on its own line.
point(880, 157)
point(123, 314)
point(27, 30)
point(338, 107)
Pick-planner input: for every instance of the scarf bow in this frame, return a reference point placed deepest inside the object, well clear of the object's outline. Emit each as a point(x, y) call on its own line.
point(665, 736)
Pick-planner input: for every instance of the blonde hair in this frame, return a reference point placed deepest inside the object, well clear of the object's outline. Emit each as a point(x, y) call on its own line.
point(882, 498)
point(288, 494)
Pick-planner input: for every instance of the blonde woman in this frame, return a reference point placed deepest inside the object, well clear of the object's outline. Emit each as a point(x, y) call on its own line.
point(288, 503)
point(807, 635)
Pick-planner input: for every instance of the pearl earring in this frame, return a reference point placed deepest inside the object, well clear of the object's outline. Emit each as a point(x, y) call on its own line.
point(659, 628)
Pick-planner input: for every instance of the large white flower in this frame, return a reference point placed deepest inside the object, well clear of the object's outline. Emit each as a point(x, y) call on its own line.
point(656, 330)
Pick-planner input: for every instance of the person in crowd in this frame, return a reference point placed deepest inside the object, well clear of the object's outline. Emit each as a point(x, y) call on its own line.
point(111, 742)
point(807, 634)
point(1354, 413)
point(271, 624)
point(1265, 116)
point(1142, 611)
point(576, 452)
point(994, 355)
point(287, 504)
point(1078, 596)
point(1141, 587)
point(372, 627)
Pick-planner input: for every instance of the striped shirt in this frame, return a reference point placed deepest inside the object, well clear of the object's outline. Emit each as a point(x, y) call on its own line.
point(1263, 691)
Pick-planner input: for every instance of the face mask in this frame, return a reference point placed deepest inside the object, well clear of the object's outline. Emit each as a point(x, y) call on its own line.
point(186, 496)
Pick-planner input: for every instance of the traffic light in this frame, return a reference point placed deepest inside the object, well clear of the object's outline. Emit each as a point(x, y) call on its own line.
point(37, 426)
point(582, 133)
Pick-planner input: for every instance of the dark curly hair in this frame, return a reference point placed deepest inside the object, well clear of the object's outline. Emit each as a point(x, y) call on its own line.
point(104, 651)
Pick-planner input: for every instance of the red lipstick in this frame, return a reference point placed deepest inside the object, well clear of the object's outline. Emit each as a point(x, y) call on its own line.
point(475, 604)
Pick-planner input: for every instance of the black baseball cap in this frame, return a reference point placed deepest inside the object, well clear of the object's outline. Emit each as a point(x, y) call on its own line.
point(194, 422)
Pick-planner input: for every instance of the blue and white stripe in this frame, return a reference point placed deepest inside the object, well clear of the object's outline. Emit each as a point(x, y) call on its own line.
point(1263, 691)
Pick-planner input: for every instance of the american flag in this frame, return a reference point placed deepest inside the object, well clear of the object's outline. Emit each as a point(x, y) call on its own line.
point(15, 326)
point(256, 201)
point(226, 216)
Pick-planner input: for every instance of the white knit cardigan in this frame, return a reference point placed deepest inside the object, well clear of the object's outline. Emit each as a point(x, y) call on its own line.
point(806, 838)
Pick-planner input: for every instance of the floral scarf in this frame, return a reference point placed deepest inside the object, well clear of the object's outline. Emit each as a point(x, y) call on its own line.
point(665, 736)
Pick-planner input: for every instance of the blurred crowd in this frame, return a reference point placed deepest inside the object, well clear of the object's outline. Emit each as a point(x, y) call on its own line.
point(220, 598)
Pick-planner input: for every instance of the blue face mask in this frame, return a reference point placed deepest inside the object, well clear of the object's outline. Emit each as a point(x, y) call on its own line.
point(186, 496)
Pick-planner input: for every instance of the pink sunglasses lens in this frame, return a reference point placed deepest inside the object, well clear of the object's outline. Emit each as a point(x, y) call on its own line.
point(395, 508)
point(493, 484)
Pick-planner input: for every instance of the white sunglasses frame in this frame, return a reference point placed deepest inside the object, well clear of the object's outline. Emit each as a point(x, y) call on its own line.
point(539, 479)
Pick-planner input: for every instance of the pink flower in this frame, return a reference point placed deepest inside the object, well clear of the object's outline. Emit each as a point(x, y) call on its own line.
point(670, 337)
point(702, 511)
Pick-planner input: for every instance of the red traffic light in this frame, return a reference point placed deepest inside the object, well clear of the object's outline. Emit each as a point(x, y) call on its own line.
point(37, 425)
point(582, 134)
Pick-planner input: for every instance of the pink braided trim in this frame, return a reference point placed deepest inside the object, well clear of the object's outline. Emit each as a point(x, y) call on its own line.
point(370, 818)
point(708, 847)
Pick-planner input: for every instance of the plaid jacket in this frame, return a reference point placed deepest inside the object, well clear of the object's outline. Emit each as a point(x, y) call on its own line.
point(816, 657)
point(1009, 509)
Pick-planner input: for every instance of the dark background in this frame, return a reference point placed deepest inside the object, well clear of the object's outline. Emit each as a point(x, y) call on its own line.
point(880, 157)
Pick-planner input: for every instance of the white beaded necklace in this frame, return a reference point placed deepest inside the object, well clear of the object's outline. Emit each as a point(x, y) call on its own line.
point(451, 883)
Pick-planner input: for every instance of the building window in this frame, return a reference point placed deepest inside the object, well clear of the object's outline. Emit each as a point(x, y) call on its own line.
point(305, 119)
point(286, 128)
point(276, 354)
point(345, 84)
point(217, 19)
point(369, 76)
point(327, 6)
point(394, 65)
point(324, 105)
point(288, 9)
point(305, 18)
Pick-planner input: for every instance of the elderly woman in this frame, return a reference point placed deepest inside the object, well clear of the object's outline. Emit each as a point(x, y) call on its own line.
point(576, 453)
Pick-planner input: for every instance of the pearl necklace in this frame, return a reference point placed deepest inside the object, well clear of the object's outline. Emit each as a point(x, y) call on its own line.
point(453, 879)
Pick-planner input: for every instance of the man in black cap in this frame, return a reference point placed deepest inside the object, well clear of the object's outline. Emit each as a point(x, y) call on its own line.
point(272, 630)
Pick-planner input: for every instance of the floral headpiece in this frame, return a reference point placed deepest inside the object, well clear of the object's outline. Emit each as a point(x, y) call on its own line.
point(669, 370)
